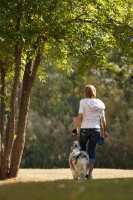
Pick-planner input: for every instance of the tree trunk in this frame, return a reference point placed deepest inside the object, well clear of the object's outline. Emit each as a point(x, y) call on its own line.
point(13, 109)
point(29, 77)
point(2, 106)
point(2, 109)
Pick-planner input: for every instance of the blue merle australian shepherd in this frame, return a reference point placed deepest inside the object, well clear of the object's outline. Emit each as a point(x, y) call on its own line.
point(78, 162)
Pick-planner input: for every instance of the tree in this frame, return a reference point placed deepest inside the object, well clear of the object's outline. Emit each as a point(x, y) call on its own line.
point(68, 33)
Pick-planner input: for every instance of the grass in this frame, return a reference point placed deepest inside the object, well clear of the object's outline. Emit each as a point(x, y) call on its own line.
point(98, 189)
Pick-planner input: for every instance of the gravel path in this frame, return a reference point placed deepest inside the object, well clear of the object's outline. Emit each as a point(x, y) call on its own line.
point(27, 175)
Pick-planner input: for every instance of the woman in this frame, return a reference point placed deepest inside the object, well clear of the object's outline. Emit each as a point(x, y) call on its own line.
point(91, 112)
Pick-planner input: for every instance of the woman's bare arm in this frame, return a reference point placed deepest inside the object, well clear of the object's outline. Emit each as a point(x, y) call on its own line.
point(78, 120)
point(103, 124)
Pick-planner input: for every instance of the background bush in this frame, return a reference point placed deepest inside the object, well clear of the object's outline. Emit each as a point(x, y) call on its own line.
point(53, 112)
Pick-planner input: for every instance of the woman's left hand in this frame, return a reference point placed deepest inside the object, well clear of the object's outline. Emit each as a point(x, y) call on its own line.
point(105, 134)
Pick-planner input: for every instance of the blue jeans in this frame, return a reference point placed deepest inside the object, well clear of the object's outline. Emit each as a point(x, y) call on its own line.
point(88, 140)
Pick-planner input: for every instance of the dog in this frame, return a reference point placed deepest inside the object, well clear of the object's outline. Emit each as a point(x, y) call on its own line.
point(78, 162)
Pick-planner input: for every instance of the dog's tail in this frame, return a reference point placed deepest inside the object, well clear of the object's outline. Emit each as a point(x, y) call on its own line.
point(85, 154)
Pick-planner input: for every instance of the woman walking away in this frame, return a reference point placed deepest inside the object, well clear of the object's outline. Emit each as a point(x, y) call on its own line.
point(91, 112)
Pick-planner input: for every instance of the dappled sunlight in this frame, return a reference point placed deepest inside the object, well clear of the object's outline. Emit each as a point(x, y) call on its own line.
point(41, 175)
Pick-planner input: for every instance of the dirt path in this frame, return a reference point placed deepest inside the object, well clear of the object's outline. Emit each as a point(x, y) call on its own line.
point(36, 175)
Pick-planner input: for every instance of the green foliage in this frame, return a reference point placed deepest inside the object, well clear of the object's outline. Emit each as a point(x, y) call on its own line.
point(50, 129)
point(48, 141)
point(79, 31)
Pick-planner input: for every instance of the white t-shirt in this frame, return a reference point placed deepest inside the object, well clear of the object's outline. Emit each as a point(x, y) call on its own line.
point(92, 110)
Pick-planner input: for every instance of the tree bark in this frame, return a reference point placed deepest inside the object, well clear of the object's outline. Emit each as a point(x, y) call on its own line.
point(2, 109)
point(13, 109)
point(28, 80)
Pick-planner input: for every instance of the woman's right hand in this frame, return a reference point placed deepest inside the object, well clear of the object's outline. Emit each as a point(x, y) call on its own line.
point(74, 132)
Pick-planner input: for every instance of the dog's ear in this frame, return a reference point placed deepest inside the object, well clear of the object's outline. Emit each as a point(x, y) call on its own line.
point(76, 143)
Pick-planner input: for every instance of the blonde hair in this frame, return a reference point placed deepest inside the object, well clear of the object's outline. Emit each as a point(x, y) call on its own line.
point(90, 91)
